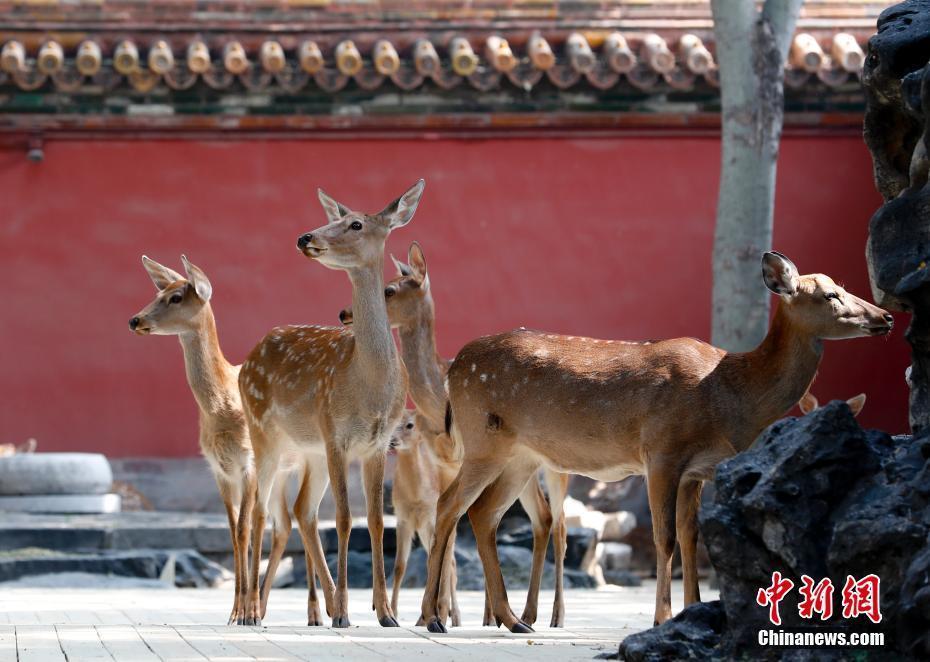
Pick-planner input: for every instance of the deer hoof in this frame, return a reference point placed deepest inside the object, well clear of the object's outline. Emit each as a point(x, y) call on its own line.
point(521, 628)
point(527, 618)
point(340, 621)
point(556, 623)
point(314, 622)
point(436, 626)
point(388, 622)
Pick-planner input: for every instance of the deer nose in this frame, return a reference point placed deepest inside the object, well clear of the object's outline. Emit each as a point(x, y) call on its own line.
point(304, 240)
point(888, 318)
point(133, 323)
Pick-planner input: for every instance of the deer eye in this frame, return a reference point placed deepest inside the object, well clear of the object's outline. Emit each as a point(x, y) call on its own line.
point(355, 225)
point(831, 295)
point(389, 292)
point(175, 298)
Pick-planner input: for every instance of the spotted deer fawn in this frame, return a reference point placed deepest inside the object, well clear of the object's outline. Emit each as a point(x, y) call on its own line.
point(182, 308)
point(325, 396)
point(412, 312)
point(607, 409)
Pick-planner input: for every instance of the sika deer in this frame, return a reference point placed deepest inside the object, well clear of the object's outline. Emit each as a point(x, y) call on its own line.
point(412, 312)
point(182, 308)
point(809, 403)
point(607, 409)
point(325, 397)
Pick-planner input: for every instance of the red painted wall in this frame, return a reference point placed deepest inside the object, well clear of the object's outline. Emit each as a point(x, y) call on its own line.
point(604, 237)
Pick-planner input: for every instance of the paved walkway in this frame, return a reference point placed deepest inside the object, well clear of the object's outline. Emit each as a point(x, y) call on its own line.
point(150, 624)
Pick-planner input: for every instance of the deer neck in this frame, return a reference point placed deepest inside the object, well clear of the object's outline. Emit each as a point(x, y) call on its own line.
point(374, 345)
point(207, 369)
point(424, 366)
point(776, 374)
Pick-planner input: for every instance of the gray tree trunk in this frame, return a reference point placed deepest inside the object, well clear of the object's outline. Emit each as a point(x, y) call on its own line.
point(751, 50)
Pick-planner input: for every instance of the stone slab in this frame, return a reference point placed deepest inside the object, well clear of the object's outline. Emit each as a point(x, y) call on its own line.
point(61, 503)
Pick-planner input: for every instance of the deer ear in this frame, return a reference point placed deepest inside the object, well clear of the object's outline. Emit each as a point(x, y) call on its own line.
point(418, 263)
point(402, 269)
point(808, 403)
point(856, 403)
point(198, 279)
point(779, 274)
point(399, 212)
point(161, 275)
point(335, 211)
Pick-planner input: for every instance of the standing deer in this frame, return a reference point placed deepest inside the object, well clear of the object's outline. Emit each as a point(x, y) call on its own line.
point(325, 396)
point(412, 312)
point(608, 409)
point(182, 308)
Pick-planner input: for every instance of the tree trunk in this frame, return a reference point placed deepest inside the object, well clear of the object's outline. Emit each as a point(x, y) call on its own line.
point(751, 51)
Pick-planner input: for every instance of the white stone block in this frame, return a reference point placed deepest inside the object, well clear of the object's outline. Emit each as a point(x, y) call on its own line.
point(62, 503)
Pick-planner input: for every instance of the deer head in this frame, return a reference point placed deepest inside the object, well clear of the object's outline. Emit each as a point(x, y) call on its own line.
point(180, 301)
point(809, 403)
point(407, 295)
point(352, 239)
point(818, 306)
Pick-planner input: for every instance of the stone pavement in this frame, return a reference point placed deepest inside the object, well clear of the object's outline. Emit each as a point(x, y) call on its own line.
point(152, 624)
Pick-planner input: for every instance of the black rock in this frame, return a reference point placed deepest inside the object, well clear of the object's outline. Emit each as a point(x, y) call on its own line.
point(579, 540)
point(191, 569)
point(622, 578)
point(819, 496)
point(694, 634)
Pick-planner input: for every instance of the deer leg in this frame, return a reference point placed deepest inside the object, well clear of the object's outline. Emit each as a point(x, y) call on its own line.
point(232, 514)
point(534, 503)
point(373, 469)
point(451, 568)
point(338, 468)
point(557, 484)
point(473, 477)
point(404, 538)
point(488, 619)
point(689, 501)
point(445, 584)
point(485, 516)
point(662, 486)
point(243, 532)
point(281, 531)
point(306, 508)
point(266, 466)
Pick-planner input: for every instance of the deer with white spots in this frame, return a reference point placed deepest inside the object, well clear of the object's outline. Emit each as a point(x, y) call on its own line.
point(670, 410)
point(324, 396)
point(412, 312)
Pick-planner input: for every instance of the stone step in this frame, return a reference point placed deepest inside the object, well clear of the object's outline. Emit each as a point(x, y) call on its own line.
point(207, 533)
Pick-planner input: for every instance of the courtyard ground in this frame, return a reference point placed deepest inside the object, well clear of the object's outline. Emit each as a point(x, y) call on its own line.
point(48, 623)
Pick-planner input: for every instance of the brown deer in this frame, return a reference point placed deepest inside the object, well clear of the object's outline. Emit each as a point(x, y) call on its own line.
point(809, 403)
point(418, 478)
point(607, 409)
point(182, 308)
point(325, 396)
point(412, 312)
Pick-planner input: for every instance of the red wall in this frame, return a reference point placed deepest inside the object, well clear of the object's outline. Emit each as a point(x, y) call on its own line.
point(604, 237)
